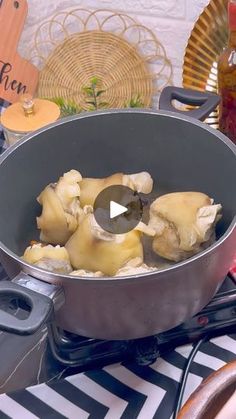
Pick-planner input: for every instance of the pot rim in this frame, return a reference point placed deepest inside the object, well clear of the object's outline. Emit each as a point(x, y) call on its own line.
point(51, 276)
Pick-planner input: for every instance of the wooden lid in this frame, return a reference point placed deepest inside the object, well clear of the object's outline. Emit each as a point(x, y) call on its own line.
point(15, 119)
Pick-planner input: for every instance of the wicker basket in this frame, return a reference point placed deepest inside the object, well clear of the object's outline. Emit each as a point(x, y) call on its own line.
point(110, 58)
point(123, 66)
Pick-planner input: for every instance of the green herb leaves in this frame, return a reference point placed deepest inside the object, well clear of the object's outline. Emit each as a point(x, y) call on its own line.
point(94, 91)
point(93, 95)
point(67, 107)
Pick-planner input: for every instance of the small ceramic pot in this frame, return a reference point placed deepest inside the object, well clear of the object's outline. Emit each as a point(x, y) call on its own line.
point(215, 398)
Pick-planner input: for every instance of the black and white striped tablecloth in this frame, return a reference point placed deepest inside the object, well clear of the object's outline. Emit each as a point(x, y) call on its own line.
point(121, 390)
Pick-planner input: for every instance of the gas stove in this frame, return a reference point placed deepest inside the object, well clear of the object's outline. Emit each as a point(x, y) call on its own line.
point(217, 318)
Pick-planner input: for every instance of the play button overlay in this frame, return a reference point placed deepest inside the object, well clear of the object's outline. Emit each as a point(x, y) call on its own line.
point(118, 209)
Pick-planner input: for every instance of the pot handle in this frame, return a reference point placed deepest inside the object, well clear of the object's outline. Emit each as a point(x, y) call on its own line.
point(41, 309)
point(206, 101)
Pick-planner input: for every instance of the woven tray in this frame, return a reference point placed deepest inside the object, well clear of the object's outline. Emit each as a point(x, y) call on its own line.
point(126, 57)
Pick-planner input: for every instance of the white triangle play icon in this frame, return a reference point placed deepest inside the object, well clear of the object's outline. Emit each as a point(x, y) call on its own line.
point(116, 209)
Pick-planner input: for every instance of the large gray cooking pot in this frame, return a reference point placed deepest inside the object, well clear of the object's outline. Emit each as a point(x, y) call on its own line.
point(181, 154)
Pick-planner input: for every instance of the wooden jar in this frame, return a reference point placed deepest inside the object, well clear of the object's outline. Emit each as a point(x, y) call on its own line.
point(26, 116)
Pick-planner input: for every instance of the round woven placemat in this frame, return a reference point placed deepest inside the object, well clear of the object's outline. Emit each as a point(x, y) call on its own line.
point(116, 63)
point(125, 58)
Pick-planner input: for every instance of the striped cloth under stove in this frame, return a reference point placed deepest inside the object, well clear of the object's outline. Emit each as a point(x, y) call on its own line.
point(122, 390)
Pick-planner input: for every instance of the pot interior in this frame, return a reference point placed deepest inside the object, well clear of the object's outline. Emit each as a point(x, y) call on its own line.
point(180, 156)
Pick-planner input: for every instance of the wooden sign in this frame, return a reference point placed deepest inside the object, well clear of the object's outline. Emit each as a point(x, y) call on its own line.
point(17, 75)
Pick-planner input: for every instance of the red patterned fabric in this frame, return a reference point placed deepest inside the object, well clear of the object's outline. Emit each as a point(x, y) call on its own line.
point(233, 268)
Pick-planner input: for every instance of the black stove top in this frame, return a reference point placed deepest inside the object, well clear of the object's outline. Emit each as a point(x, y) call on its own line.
point(217, 318)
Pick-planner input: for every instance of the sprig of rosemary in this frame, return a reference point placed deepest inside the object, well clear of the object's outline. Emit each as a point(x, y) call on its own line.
point(93, 97)
point(94, 94)
point(135, 102)
point(67, 107)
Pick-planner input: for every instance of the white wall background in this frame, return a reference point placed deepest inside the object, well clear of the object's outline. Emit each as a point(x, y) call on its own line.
point(171, 20)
